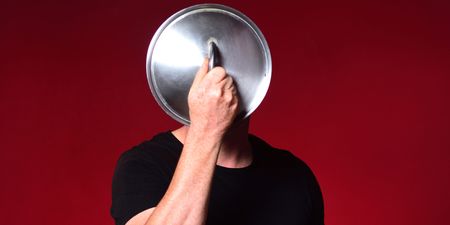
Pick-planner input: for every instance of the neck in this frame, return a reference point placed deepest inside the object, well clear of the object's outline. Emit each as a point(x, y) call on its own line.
point(235, 151)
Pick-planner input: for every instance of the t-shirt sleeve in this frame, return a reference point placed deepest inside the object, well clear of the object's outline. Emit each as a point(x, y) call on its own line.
point(137, 185)
point(314, 193)
point(317, 206)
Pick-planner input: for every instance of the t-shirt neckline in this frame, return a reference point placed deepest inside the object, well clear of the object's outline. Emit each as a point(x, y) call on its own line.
point(219, 167)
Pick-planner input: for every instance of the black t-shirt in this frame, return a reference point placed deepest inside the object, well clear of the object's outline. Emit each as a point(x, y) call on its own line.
point(276, 189)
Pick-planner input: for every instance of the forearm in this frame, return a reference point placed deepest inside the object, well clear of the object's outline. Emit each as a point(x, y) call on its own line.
point(186, 200)
point(213, 106)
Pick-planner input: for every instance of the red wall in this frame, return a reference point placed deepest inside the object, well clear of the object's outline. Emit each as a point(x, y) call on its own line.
point(360, 91)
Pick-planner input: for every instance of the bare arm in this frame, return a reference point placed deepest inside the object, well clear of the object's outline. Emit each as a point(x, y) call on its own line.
point(212, 108)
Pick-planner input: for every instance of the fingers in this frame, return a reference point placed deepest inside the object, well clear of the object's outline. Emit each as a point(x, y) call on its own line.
point(229, 90)
point(228, 82)
point(213, 95)
point(217, 74)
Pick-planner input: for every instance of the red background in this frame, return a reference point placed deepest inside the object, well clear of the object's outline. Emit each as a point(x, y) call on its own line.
point(360, 91)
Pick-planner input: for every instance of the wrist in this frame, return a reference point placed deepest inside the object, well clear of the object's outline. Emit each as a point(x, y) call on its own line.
point(204, 131)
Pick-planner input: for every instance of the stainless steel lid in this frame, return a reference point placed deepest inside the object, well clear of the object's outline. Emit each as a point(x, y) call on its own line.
point(182, 42)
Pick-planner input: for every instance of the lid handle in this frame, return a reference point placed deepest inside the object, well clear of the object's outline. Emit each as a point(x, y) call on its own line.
point(213, 55)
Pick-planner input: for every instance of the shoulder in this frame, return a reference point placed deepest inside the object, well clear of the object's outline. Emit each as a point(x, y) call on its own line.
point(294, 175)
point(162, 149)
point(283, 166)
point(143, 169)
point(159, 145)
point(150, 163)
point(279, 158)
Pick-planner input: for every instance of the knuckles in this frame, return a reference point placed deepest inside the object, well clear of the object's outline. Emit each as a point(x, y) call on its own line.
point(216, 93)
point(228, 96)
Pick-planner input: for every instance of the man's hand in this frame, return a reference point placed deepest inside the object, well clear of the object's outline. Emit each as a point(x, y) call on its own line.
point(212, 100)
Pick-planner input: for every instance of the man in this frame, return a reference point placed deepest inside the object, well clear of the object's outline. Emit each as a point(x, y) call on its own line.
point(213, 172)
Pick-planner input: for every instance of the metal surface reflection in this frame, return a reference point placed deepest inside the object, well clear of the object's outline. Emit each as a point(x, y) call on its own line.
point(180, 44)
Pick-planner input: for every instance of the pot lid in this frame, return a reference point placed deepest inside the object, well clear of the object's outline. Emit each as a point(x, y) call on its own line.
point(181, 43)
